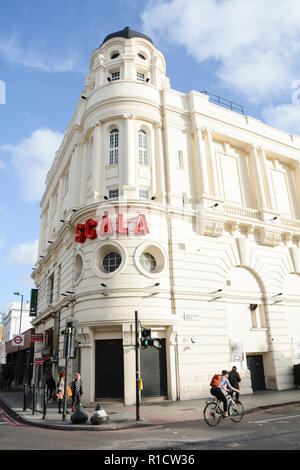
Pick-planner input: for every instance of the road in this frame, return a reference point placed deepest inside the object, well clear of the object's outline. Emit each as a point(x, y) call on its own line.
point(276, 428)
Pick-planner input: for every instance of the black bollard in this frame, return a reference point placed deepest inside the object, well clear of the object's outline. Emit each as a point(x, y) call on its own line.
point(79, 416)
point(100, 416)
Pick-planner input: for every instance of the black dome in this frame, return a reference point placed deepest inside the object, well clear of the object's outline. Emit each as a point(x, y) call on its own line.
point(126, 33)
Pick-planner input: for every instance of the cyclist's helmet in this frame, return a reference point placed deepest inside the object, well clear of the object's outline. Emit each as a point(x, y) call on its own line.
point(224, 372)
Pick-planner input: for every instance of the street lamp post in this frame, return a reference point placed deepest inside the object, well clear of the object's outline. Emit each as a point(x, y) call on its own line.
point(20, 327)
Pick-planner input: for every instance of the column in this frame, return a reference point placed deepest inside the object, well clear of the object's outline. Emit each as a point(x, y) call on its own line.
point(258, 178)
point(153, 161)
point(96, 158)
point(201, 162)
point(42, 236)
point(58, 214)
point(75, 176)
point(268, 180)
point(49, 224)
point(83, 179)
point(60, 198)
point(130, 161)
point(160, 163)
point(212, 162)
point(297, 184)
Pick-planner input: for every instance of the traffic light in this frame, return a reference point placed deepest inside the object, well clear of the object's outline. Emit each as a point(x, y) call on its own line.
point(146, 338)
point(147, 341)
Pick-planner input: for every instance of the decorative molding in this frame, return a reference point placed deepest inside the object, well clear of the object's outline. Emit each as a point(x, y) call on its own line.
point(212, 228)
point(269, 237)
point(128, 116)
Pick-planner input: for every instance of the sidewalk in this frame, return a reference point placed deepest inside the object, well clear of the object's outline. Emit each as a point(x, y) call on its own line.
point(122, 417)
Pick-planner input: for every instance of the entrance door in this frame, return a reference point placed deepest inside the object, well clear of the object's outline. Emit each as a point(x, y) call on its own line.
point(109, 370)
point(154, 371)
point(256, 366)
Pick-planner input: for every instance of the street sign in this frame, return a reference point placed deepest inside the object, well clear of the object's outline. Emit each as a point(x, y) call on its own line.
point(37, 337)
point(33, 302)
point(17, 340)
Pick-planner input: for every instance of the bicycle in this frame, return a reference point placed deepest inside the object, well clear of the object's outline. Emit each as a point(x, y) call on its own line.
point(213, 411)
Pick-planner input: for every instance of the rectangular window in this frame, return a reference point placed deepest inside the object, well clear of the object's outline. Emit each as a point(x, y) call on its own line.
point(143, 147)
point(140, 77)
point(67, 178)
point(180, 160)
point(58, 282)
point(113, 193)
point(55, 202)
point(114, 147)
point(51, 289)
point(115, 76)
point(281, 192)
point(230, 179)
point(144, 194)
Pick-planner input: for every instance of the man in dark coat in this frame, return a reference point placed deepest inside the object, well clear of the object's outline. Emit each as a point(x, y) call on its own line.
point(234, 379)
point(76, 387)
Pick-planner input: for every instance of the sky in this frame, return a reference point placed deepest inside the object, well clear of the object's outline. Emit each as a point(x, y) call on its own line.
point(245, 51)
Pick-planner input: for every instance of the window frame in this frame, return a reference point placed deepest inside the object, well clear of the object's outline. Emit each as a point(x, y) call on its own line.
point(143, 145)
point(115, 75)
point(115, 263)
point(114, 190)
point(114, 141)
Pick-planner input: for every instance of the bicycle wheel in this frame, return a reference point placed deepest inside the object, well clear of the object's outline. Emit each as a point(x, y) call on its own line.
point(236, 411)
point(212, 413)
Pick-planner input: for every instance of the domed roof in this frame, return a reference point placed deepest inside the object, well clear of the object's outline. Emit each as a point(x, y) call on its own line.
point(126, 33)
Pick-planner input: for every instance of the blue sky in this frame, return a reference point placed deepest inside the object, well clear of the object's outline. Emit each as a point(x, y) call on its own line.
point(245, 51)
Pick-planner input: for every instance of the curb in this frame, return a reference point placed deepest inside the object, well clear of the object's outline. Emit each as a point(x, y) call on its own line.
point(114, 426)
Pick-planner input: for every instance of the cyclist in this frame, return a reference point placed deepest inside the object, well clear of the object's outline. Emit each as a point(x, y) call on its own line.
point(223, 385)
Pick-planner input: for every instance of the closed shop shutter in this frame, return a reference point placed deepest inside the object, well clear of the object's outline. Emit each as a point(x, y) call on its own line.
point(154, 371)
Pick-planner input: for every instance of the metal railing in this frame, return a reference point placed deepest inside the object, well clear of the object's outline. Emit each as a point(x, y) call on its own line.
point(35, 399)
point(224, 102)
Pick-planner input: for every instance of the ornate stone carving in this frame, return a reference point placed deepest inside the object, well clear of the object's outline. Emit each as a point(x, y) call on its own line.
point(269, 237)
point(212, 228)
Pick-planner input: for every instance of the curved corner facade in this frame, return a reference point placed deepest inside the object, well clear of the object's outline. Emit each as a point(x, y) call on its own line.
point(163, 203)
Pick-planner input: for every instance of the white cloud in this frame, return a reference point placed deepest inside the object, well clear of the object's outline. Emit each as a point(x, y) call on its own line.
point(255, 44)
point(13, 52)
point(32, 159)
point(284, 116)
point(24, 253)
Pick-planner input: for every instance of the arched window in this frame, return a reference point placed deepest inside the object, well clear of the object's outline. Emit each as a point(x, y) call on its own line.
point(114, 147)
point(143, 147)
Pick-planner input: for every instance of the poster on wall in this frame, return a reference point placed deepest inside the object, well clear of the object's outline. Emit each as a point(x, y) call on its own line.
point(296, 344)
point(237, 354)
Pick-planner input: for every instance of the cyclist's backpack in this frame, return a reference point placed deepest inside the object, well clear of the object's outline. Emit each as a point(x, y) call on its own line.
point(215, 381)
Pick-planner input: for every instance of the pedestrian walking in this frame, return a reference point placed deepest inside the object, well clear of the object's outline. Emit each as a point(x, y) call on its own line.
point(234, 379)
point(61, 390)
point(77, 392)
point(50, 387)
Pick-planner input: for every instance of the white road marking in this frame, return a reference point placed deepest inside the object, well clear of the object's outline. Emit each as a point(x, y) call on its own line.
point(275, 419)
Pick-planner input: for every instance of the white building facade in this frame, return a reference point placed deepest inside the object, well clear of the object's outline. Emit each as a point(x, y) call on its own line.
point(13, 323)
point(167, 204)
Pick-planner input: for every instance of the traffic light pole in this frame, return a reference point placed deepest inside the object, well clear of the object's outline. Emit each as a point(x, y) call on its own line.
point(137, 366)
point(67, 356)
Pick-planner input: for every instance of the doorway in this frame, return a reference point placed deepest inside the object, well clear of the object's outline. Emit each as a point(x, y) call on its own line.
point(256, 366)
point(154, 371)
point(109, 369)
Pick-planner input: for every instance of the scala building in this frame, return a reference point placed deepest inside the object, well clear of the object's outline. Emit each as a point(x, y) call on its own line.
point(176, 207)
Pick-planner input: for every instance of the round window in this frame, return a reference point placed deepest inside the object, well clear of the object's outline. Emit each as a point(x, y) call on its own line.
point(109, 259)
point(115, 55)
point(150, 259)
point(148, 262)
point(111, 262)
